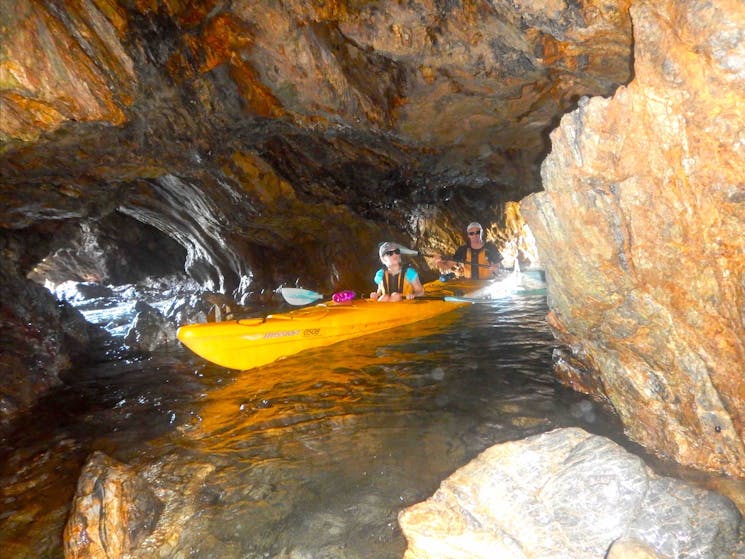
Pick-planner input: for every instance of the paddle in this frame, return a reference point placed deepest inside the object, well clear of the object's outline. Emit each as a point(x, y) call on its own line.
point(405, 250)
point(298, 297)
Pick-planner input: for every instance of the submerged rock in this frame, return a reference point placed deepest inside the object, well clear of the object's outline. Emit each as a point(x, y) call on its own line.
point(113, 511)
point(150, 329)
point(567, 493)
point(135, 512)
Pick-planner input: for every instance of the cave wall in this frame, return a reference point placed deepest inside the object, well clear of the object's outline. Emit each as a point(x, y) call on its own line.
point(641, 229)
point(39, 336)
point(278, 143)
point(258, 134)
point(114, 250)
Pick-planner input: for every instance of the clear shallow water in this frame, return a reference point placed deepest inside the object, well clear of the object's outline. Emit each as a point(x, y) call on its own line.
point(313, 456)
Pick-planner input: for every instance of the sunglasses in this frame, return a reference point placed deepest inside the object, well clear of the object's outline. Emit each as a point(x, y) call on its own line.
point(474, 233)
point(392, 252)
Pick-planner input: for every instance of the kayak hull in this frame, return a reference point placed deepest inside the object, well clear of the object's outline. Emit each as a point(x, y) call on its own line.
point(248, 343)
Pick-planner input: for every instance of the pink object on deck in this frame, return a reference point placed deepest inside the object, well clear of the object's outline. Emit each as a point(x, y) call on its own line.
point(343, 296)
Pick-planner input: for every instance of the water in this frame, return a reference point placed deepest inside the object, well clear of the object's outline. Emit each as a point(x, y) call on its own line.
point(310, 457)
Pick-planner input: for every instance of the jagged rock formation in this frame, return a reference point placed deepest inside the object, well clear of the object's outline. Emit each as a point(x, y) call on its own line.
point(38, 336)
point(114, 250)
point(642, 232)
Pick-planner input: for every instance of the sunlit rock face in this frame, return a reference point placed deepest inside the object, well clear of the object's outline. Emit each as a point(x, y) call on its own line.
point(642, 232)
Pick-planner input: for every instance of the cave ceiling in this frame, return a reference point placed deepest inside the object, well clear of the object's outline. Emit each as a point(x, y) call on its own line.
point(273, 139)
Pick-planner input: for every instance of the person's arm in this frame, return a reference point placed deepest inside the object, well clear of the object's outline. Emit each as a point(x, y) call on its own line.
point(443, 264)
point(446, 262)
point(416, 284)
point(378, 279)
point(418, 288)
point(495, 258)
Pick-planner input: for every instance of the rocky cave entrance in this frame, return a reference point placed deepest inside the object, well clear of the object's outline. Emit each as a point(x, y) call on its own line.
point(118, 272)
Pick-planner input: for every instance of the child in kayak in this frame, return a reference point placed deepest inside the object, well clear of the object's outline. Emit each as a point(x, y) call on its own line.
point(394, 281)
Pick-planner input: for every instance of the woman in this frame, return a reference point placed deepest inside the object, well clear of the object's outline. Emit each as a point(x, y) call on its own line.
point(394, 281)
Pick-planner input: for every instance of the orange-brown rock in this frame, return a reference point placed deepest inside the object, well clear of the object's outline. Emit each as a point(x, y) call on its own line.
point(56, 69)
point(642, 231)
point(154, 510)
point(113, 511)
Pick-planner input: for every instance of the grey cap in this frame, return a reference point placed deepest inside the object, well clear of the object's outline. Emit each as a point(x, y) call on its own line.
point(474, 224)
point(387, 246)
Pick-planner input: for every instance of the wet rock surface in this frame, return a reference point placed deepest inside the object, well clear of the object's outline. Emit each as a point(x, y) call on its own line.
point(567, 493)
point(39, 335)
point(642, 233)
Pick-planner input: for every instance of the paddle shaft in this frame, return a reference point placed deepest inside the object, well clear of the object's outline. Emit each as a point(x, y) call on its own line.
point(300, 297)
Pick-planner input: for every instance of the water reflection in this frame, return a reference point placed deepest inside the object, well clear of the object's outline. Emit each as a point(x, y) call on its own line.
point(312, 456)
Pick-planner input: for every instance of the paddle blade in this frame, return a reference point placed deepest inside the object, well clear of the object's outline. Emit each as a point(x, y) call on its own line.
point(298, 297)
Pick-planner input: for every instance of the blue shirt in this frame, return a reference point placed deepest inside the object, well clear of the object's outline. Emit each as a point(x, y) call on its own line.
point(411, 275)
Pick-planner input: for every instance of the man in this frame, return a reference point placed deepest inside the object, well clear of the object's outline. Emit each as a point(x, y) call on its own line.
point(480, 259)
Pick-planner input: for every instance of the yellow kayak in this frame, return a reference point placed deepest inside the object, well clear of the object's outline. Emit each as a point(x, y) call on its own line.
point(244, 344)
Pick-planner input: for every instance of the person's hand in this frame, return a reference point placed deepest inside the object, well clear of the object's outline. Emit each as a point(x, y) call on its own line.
point(442, 265)
point(411, 296)
point(395, 297)
point(374, 295)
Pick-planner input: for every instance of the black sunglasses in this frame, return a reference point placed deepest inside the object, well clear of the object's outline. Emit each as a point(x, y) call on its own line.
point(473, 233)
point(394, 251)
